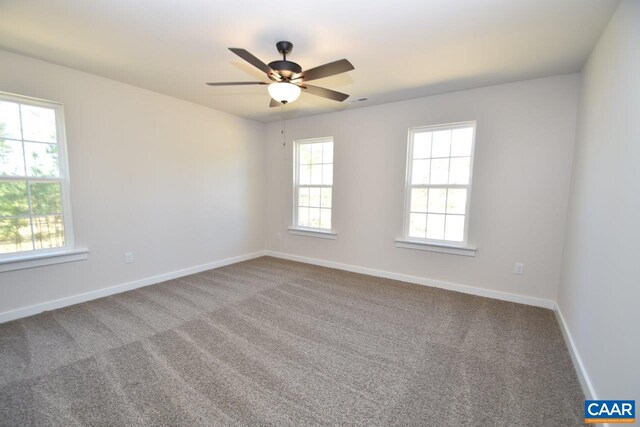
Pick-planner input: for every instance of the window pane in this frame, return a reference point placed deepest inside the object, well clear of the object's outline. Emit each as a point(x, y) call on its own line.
point(42, 159)
point(314, 197)
point(13, 198)
point(325, 218)
point(457, 200)
point(439, 171)
point(327, 174)
point(303, 217)
point(437, 200)
point(417, 225)
point(38, 124)
point(441, 143)
point(418, 200)
point(305, 154)
point(305, 175)
point(459, 173)
point(455, 228)
point(435, 226)
point(314, 217)
point(327, 152)
point(461, 142)
point(316, 174)
point(303, 196)
point(15, 235)
point(316, 153)
point(46, 198)
point(420, 172)
point(11, 160)
point(422, 145)
point(10, 120)
point(48, 231)
point(325, 198)
point(440, 159)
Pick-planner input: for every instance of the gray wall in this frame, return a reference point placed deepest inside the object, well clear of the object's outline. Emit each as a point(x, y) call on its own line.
point(175, 183)
point(600, 285)
point(524, 145)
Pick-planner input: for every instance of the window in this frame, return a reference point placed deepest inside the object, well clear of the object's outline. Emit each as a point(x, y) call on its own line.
point(439, 165)
point(34, 196)
point(313, 181)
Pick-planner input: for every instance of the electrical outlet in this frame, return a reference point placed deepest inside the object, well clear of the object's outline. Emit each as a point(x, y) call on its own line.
point(518, 268)
point(279, 236)
point(128, 257)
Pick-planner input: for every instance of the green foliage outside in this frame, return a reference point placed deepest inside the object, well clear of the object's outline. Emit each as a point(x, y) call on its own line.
point(15, 226)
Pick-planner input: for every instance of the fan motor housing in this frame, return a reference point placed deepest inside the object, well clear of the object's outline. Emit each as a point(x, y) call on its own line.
point(285, 68)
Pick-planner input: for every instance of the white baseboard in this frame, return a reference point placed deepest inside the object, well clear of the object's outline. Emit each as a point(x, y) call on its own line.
point(505, 296)
point(99, 293)
point(585, 381)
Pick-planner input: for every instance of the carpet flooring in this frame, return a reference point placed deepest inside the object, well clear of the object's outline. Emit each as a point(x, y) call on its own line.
point(274, 342)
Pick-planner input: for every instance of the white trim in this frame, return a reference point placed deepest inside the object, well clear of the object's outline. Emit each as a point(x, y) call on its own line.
point(488, 293)
point(99, 293)
point(38, 102)
point(322, 234)
point(583, 376)
point(435, 247)
point(38, 259)
point(63, 165)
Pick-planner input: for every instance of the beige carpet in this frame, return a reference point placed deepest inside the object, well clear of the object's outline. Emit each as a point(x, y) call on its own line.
point(273, 342)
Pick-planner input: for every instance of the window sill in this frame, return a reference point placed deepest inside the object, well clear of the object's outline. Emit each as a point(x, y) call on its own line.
point(437, 247)
point(20, 262)
point(329, 234)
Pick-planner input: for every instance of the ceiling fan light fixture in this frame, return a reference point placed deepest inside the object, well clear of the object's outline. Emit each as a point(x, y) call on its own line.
point(284, 92)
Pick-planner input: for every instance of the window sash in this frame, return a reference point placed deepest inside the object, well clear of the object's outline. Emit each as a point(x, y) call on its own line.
point(62, 178)
point(297, 186)
point(409, 185)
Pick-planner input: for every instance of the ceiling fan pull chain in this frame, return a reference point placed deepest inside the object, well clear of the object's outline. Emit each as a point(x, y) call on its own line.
point(284, 128)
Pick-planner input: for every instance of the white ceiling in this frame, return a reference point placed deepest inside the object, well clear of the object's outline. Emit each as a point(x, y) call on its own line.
point(401, 49)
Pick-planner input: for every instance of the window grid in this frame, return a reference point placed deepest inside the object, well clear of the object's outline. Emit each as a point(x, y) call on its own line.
point(319, 191)
point(49, 220)
point(445, 212)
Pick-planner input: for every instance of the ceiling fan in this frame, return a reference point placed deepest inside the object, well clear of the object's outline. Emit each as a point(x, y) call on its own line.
point(287, 77)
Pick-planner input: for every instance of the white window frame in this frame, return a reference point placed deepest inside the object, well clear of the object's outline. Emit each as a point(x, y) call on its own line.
point(310, 231)
point(446, 246)
point(68, 252)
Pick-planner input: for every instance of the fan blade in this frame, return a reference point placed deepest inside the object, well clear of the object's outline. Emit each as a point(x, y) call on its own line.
point(237, 83)
point(325, 93)
point(325, 70)
point(274, 103)
point(254, 61)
